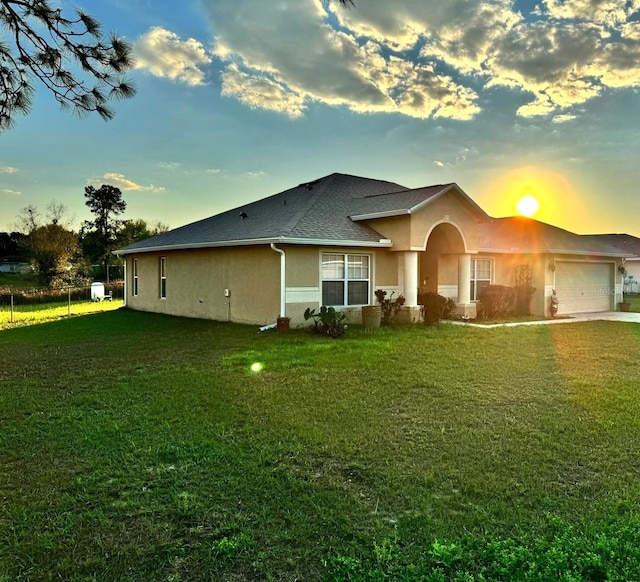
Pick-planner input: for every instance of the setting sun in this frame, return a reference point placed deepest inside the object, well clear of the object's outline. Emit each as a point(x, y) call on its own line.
point(527, 206)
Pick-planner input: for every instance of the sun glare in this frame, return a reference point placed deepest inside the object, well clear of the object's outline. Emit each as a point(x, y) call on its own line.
point(527, 206)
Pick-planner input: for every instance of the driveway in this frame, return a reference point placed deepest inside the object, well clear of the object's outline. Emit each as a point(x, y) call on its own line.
point(600, 316)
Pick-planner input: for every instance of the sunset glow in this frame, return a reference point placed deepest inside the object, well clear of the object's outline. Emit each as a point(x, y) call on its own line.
point(527, 206)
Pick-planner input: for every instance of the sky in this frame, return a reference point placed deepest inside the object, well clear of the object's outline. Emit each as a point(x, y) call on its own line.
point(240, 99)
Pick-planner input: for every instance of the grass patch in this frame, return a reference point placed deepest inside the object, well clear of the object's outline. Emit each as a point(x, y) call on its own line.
point(18, 281)
point(635, 302)
point(49, 312)
point(136, 446)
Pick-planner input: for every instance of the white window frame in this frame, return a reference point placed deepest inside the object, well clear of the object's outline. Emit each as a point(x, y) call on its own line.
point(345, 277)
point(134, 282)
point(473, 277)
point(163, 277)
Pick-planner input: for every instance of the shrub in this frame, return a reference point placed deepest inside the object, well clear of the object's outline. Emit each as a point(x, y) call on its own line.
point(434, 307)
point(327, 321)
point(496, 302)
point(390, 307)
point(524, 294)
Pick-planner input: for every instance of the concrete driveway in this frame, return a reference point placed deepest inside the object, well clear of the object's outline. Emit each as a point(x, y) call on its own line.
point(600, 316)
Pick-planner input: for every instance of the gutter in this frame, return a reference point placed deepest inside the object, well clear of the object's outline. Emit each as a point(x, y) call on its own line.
point(381, 243)
point(283, 282)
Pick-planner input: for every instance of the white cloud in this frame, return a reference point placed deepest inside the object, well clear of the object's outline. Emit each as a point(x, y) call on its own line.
point(123, 183)
point(438, 163)
point(8, 192)
point(212, 171)
point(562, 54)
point(163, 54)
point(169, 165)
point(563, 118)
point(8, 170)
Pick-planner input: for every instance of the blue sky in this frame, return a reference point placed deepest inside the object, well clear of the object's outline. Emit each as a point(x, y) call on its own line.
point(241, 99)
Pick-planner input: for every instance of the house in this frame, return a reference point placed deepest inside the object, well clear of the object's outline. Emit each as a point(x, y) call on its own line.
point(13, 265)
point(628, 244)
point(335, 240)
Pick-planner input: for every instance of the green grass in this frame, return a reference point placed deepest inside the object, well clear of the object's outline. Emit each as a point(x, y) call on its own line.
point(19, 281)
point(43, 312)
point(635, 302)
point(135, 446)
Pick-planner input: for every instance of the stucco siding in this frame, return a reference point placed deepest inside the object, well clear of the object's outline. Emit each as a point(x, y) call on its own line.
point(196, 281)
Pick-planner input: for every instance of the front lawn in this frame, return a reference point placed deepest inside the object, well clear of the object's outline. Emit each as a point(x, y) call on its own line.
point(136, 446)
point(635, 302)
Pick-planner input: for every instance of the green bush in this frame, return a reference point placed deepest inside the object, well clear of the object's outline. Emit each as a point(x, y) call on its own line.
point(524, 294)
point(434, 307)
point(496, 302)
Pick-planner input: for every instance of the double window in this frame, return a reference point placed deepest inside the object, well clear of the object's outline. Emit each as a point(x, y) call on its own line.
point(135, 277)
point(480, 276)
point(163, 277)
point(345, 279)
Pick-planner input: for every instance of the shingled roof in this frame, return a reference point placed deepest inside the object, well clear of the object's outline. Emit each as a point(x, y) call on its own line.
point(518, 234)
point(625, 242)
point(314, 212)
point(332, 211)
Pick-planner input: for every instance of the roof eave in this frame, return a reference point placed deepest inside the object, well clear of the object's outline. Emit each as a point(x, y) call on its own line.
point(382, 243)
point(586, 253)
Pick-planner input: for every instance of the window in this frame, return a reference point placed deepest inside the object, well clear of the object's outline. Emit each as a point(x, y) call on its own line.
point(135, 276)
point(345, 279)
point(480, 276)
point(163, 277)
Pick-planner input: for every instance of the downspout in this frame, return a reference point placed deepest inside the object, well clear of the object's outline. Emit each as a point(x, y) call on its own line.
point(124, 276)
point(283, 281)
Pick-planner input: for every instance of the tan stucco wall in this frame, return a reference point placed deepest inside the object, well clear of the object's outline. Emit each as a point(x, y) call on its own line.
point(410, 232)
point(197, 279)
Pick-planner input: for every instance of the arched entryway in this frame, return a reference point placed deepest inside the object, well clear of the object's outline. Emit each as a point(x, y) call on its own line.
point(444, 265)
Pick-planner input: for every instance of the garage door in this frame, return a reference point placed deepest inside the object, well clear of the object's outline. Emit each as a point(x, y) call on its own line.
point(584, 287)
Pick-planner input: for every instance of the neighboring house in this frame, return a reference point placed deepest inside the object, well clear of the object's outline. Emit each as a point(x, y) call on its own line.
point(628, 244)
point(8, 265)
point(335, 240)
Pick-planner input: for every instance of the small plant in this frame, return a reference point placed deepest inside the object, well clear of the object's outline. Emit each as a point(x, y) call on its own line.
point(327, 321)
point(390, 307)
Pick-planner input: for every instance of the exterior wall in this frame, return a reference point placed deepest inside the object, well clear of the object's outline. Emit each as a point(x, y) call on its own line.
point(410, 232)
point(304, 285)
point(197, 279)
point(505, 274)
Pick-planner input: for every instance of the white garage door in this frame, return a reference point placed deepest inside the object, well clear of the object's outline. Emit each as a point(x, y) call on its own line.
point(584, 287)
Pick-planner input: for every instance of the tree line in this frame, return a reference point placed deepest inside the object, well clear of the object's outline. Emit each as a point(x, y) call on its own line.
point(61, 256)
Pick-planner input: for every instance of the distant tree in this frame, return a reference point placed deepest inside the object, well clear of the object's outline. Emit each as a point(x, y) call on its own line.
point(99, 236)
point(51, 248)
point(134, 230)
point(58, 213)
point(11, 244)
point(69, 55)
point(28, 219)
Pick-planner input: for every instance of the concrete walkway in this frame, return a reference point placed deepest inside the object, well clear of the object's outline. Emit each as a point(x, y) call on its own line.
point(601, 316)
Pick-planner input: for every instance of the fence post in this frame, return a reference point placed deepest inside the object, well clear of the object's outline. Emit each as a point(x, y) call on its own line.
point(69, 304)
point(11, 318)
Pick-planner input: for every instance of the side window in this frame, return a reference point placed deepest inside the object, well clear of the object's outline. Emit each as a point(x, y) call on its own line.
point(163, 277)
point(134, 282)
